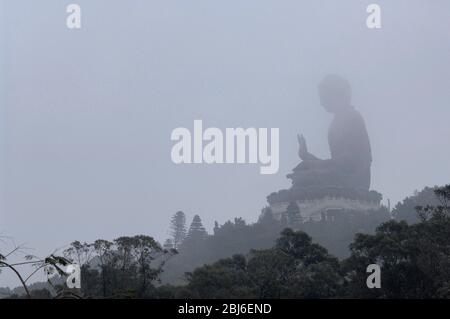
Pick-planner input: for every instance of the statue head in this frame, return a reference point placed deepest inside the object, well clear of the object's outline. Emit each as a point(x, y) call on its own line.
point(335, 93)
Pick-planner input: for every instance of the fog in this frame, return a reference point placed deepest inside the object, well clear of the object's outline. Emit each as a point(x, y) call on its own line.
point(86, 115)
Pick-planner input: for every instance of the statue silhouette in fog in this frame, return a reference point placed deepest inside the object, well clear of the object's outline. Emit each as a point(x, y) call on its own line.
point(351, 158)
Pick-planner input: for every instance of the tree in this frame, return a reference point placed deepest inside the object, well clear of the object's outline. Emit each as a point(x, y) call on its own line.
point(293, 214)
point(135, 256)
point(293, 268)
point(311, 271)
point(196, 230)
point(178, 228)
point(227, 278)
point(51, 265)
point(145, 250)
point(5, 264)
point(80, 253)
point(405, 210)
point(414, 259)
point(104, 255)
point(266, 218)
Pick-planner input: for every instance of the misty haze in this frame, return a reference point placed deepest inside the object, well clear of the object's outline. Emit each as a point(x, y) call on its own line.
point(87, 119)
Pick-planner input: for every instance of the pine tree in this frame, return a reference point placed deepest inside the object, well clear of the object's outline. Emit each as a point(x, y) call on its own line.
point(196, 230)
point(293, 214)
point(266, 217)
point(178, 229)
point(216, 227)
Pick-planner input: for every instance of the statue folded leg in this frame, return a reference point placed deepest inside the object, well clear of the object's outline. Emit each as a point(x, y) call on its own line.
point(320, 173)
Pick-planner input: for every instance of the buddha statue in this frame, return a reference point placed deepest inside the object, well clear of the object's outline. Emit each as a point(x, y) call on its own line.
point(351, 158)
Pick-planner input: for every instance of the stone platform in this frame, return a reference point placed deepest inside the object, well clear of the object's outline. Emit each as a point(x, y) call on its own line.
point(316, 203)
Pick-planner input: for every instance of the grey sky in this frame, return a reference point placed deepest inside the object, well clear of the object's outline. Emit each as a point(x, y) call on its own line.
point(88, 113)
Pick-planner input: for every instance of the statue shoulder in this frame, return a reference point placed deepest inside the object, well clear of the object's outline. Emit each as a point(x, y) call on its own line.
point(354, 116)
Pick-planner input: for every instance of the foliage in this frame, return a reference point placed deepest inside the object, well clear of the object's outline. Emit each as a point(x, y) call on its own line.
point(178, 228)
point(414, 259)
point(294, 268)
point(406, 210)
point(125, 267)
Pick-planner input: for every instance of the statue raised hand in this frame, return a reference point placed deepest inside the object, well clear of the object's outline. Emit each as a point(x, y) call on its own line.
point(303, 149)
